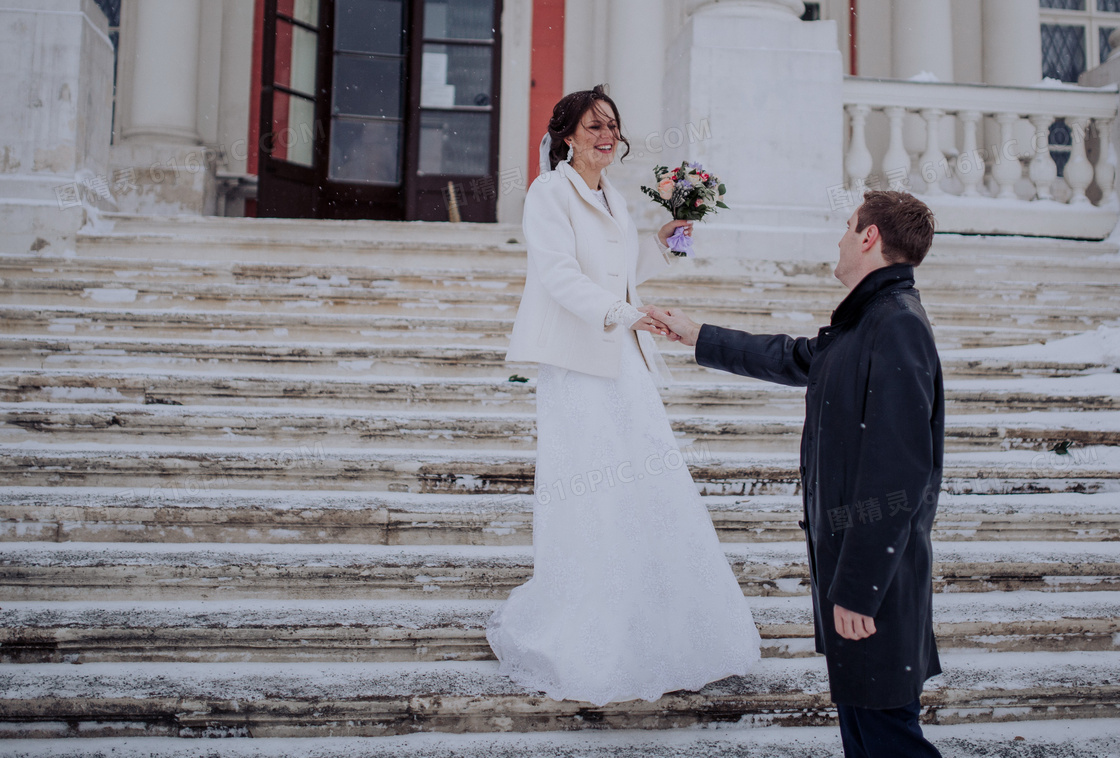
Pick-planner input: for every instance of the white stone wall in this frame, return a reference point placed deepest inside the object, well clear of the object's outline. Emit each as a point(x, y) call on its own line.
point(513, 120)
point(187, 103)
point(183, 101)
point(54, 119)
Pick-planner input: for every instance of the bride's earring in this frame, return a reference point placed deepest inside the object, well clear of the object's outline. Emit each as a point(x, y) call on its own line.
point(571, 152)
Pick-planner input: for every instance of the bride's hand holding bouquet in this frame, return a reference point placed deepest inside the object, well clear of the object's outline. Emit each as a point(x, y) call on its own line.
point(689, 192)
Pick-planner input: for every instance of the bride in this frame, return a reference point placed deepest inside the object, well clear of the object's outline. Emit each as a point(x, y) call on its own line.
point(631, 595)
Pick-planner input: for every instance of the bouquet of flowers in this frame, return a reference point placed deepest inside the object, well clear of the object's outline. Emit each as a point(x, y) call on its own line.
point(689, 192)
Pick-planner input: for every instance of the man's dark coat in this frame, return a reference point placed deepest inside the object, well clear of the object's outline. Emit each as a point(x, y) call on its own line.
point(871, 460)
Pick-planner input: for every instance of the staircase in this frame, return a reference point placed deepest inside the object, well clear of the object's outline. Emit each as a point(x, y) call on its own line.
point(269, 479)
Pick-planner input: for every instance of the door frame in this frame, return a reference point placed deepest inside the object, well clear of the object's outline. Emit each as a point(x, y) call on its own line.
point(294, 191)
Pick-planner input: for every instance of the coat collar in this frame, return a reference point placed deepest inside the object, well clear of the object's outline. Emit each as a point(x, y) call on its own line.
point(614, 199)
point(895, 276)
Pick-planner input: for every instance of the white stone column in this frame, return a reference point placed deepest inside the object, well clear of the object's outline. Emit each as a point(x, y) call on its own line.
point(922, 42)
point(764, 93)
point(55, 114)
point(586, 35)
point(635, 71)
point(781, 10)
point(1012, 43)
point(160, 143)
point(1012, 57)
point(922, 32)
point(232, 108)
point(513, 129)
point(637, 34)
point(163, 99)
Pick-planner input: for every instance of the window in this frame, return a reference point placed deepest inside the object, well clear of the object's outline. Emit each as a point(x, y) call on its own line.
point(813, 12)
point(1074, 39)
point(1075, 35)
point(112, 11)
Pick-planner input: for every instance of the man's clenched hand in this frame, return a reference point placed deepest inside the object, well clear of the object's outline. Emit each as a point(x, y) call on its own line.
point(851, 625)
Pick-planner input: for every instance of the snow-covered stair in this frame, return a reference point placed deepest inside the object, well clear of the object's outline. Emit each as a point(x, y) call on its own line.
point(375, 699)
point(270, 478)
point(1080, 738)
point(204, 514)
point(430, 630)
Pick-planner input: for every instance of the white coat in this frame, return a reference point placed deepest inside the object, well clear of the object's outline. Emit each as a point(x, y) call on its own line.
point(582, 260)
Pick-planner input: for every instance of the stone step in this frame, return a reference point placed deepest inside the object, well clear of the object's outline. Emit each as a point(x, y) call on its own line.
point(462, 360)
point(256, 327)
point(43, 571)
point(433, 631)
point(85, 306)
point(1001, 276)
point(362, 242)
point(450, 394)
point(438, 319)
point(495, 472)
point(961, 326)
point(177, 425)
point(381, 699)
point(78, 514)
point(1054, 738)
point(106, 279)
point(354, 243)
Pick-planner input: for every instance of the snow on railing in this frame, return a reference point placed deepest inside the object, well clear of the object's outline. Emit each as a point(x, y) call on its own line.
point(1007, 182)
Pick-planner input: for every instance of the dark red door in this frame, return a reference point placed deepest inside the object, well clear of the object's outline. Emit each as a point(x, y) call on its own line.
point(379, 109)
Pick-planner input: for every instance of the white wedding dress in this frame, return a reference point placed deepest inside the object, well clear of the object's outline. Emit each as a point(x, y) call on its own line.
point(631, 595)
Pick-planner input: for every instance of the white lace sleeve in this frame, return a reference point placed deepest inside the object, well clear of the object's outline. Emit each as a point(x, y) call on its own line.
point(666, 253)
point(622, 313)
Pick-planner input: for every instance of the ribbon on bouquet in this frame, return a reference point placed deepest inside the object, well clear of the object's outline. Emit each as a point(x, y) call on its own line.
point(680, 243)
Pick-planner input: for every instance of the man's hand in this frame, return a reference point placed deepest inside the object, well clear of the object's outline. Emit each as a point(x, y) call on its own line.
point(683, 328)
point(851, 625)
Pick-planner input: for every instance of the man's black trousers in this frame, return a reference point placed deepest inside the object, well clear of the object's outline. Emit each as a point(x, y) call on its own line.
point(887, 733)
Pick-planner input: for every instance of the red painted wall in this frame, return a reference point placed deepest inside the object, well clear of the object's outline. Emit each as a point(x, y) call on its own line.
point(546, 72)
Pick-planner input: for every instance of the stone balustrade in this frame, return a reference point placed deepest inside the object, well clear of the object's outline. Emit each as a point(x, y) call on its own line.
point(981, 156)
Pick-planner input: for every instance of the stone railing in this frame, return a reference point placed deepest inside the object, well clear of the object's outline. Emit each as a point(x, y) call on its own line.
point(981, 156)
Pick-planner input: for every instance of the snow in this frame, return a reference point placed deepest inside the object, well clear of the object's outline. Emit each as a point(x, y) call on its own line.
point(1097, 738)
point(1101, 346)
point(965, 675)
point(1050, 82)
point(1053, 557)
point(1073, 569)
point(86, 394)
point(1091, 385)
point(111, 294)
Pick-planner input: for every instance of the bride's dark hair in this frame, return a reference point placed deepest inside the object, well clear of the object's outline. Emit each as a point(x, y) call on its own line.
point(568, 113)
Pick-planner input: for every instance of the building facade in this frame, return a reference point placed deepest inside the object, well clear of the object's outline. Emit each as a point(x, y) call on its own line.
point(433, 109)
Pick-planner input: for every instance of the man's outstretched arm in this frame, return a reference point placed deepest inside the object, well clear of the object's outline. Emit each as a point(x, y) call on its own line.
point(771, 357)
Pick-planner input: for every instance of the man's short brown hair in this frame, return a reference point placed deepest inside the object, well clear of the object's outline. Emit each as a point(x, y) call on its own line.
point(905, 225)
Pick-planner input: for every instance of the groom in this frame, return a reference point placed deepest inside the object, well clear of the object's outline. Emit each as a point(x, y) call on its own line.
point(871, 460)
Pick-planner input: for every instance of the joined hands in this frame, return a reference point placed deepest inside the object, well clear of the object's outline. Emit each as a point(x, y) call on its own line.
point(673, 323)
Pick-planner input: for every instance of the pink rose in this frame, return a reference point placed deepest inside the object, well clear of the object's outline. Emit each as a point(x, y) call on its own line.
point(665, 189)
point(698, 203)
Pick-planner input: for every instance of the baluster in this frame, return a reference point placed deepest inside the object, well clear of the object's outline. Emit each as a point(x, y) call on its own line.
point(896, 161)
point(970, 164)
point(1079, 172)
point(932, 163)
point(1106, 162)
point(858, 161)
point(1006, 169)
point(1043, 170)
